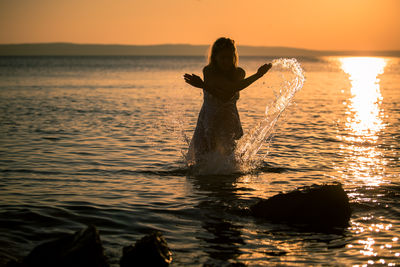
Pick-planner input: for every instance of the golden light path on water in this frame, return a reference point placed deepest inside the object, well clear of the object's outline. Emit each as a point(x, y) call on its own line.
point(364, 160)
point(364, 118)
point(366, 97)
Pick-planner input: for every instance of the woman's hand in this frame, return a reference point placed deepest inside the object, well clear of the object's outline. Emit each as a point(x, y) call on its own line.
point(194, 80)
point(263, 69)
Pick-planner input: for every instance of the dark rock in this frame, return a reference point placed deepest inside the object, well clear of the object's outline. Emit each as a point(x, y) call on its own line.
point(81, 249)
point(12, 263)
point(323, 206)
point(151, 250)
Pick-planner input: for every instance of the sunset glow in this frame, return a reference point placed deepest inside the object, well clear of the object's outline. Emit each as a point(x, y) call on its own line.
point(325, 25)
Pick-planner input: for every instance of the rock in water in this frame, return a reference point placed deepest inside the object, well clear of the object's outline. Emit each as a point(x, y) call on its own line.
point(323, 206)
point(151, 250)
point(81, 249)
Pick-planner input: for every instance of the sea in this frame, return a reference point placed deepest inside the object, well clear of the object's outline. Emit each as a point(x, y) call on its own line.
point(102, 140)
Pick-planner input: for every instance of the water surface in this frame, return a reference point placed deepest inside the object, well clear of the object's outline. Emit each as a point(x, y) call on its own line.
point(99, 140)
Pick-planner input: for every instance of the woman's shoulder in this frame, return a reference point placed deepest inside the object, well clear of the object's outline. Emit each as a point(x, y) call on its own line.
point(240, 73)
point(208, 69)
point(240, 70)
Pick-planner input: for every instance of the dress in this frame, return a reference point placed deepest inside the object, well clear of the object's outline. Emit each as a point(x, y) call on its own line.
point(218, 127)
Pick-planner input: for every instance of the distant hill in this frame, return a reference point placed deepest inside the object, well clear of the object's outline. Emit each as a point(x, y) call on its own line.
point(70, 49)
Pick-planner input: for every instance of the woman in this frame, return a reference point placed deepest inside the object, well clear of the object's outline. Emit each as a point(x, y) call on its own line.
point(218, 125)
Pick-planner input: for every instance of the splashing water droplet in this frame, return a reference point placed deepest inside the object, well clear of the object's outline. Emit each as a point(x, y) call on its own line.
point(248, 146)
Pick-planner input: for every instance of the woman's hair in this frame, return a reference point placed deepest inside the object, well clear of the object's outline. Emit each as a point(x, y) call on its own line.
point(219, 45)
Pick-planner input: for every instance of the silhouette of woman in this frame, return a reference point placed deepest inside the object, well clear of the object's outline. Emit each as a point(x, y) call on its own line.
point(218, 125)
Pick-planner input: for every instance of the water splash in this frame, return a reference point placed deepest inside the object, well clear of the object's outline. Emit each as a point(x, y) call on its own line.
point(248, 146)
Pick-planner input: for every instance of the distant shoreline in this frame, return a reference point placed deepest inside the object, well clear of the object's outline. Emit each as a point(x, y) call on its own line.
point(71, 49)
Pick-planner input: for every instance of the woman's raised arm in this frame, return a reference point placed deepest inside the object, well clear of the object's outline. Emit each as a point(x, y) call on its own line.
point(194, 80)
point(224, 88)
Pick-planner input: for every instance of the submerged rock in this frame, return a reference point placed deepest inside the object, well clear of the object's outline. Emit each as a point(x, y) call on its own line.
point(80, 249)
point(151, 250)
point(84, 249)
point(322, 206)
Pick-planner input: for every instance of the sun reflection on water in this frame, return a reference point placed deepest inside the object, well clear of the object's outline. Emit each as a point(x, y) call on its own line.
point(364, 119)
point(364, 161)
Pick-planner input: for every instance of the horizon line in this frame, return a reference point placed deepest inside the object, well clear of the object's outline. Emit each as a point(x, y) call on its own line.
point(206, 45)
point(92, 49)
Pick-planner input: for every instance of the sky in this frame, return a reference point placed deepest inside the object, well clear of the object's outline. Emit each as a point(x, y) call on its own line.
point(309, 24)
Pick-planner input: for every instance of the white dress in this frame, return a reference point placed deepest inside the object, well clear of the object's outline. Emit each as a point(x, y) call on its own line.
point(218, 127)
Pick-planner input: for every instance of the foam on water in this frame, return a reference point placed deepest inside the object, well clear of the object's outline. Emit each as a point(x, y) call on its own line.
point(245, 158)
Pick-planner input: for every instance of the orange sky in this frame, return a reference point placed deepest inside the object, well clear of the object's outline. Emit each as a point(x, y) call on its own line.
point(312, 24)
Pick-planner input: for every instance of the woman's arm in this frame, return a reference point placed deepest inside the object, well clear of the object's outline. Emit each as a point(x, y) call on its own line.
point(194, 80)
point(221, 87)
point(224, 88)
